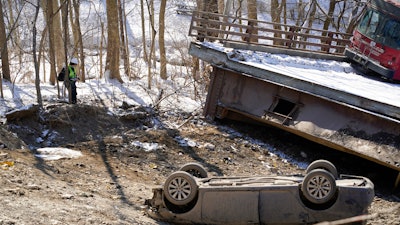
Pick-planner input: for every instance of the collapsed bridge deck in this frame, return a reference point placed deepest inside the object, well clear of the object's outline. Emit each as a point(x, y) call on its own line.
point(326, 104)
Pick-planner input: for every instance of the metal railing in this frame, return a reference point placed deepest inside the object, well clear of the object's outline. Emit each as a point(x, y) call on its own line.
point(229, 29)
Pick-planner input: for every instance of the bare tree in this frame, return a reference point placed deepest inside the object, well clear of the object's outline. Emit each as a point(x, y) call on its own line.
point(238, 8)
point(47, 6)
point(329, 16)
point(309, 19)
point(5, 67)
point(144, 46)
point(300, 12)
point(327, 22)
point(57, 34)
point(35, 60)
point(78, 43)
point(150, 8)
point(122, 28)
point(224, 8)
point(252, 11)
point(211, 6)
point(276, 11)
point(161, 41)
point(355, 14)
point(113, 43)
point(67, 83)
point(284, 11)
point(102, 38)
point(16, 39)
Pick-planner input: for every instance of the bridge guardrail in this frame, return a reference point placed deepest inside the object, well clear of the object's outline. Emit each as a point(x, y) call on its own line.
point(230, 29)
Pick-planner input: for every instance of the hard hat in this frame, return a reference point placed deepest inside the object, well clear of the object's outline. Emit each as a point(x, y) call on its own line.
point(74, 61)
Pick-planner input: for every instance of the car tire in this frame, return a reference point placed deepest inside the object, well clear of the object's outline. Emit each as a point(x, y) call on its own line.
point(323, 164)
point(180, 188)
point(319, 186)
point(195, 169)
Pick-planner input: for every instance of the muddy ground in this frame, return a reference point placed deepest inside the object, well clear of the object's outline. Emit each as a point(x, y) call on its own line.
point(110, 182)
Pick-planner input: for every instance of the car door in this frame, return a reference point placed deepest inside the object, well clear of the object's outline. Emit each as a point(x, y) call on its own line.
point(281, 205)
point(230, 206)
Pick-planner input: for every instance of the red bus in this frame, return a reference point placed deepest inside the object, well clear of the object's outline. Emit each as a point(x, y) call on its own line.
point(375, 44)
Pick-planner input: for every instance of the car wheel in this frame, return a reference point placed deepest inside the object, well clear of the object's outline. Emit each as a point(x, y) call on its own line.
point(319, 186)
point(195, 169)
point(323, 164)
point(180, 188)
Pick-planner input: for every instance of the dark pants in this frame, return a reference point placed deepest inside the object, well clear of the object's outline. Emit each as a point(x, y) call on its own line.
point(73, 91)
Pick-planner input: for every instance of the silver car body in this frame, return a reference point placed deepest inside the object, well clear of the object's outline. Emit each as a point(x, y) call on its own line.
point(263, 200)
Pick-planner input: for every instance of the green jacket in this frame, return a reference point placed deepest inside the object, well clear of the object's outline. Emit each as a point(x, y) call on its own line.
point(71, 72)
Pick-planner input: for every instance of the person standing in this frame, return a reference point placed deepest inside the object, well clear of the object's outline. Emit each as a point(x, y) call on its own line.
point(72, 77)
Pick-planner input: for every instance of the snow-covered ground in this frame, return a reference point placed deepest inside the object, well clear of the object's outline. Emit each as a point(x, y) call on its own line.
point(177, 90)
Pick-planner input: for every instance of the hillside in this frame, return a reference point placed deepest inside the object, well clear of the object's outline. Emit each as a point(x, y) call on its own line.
point(129, 153)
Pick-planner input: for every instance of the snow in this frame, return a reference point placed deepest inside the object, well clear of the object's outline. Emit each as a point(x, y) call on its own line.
point(329, 73)
point(336, 75)
point(148, 147)
point(57, 153)
point(186, 141)
point(178, 92)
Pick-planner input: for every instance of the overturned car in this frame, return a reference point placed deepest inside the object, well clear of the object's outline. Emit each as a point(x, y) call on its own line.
point(190, 196)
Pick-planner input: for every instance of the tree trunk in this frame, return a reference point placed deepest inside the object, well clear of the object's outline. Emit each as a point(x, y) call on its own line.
point(276, 10)
point(309, 20)
point(5, 66)
point(113, 43)
point(238, 12)
point(126, 46)
point(150, 7)
point(153, 33)
point(327, 22)
point(78, 41)
point(35, 60)
point(58, 39)
point(252, 11)
point(47, 9)
point(354, 18)
point(41, 53)
point(16, 32)
point(224, 10)
point(284, 10)
point(101, 50)
point(300, 13)
point(145, 56)
point(124, 55)
point(329, 17)
point(161, 42)
point(66, 41)
point(212, 7)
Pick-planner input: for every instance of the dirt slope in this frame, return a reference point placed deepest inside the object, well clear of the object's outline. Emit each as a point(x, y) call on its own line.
point(110, 182)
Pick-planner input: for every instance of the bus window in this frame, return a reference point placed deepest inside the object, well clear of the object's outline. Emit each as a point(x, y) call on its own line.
point(391, 33)
point(373, 25)
point(370, 23)
point(364, 24)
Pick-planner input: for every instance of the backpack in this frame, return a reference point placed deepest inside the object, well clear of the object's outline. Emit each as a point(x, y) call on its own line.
point(61, 75)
